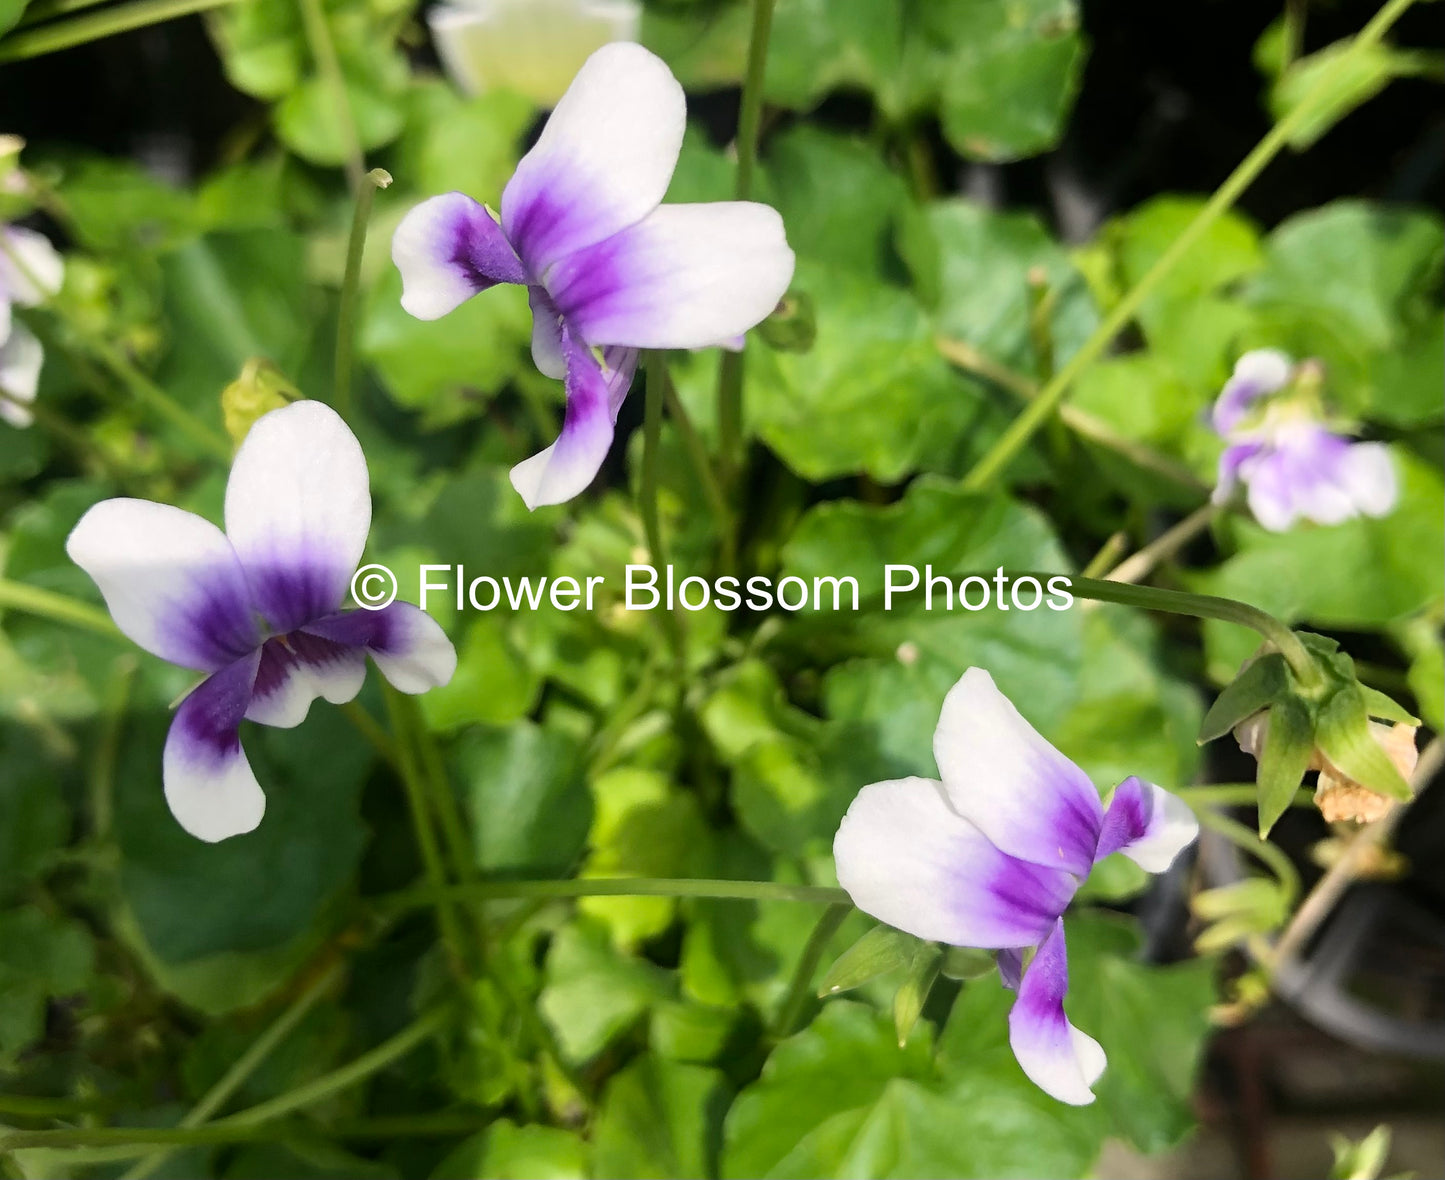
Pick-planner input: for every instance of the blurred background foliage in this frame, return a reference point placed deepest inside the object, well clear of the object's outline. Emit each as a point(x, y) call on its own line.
point(969, 188)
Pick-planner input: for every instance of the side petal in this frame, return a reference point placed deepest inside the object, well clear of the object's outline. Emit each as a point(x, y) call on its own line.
point(1256, 374)
point(298, 507)
point(1368, 475)
point(1059, 1059)
point(908, 859)
point(1230, 463)
point(1147, 824)
point(31, 269)
point(602, 162)
point(209, 785)
point(298, 668)
point(686, 276)
point(447, 249)
point(170, 580)
point(408, 645)
point(1004, 777)
point(594, 396)
point(546, 335)
point(21, 356)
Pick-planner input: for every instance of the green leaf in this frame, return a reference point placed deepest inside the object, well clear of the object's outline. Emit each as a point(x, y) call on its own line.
point(34, 818)
point(1256, 687)
point(10, 13)
point(454, 143)
point(494, 683)
point(40, 957)
point(505, 1151)
point(1349, 76)
point(594, 993)
point(530, 808)
point(660, 1119)
point(1289, 744)
point(878, 952)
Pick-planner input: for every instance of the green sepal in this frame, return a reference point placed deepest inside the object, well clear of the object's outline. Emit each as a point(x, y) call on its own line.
point(1288, 743)
point(1343, 736)
point(878, 952)
point(1260, 685)
point(909, 999)
point(1377, 704)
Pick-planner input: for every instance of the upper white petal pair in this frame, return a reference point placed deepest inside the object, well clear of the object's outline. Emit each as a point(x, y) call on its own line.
point(31, 270)
point(257, 607)
point(610, 269)
point(992, 855)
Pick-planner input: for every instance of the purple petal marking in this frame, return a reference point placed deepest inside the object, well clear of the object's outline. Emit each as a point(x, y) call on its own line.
point(1057, 1057)
point(209, 784)
point(296, 669)
point(448, 249)
point(1147, 824)
point(594, 397)
point(1256, 374)
point(1230, 462)
point(408, 645)
point(291, 590)
point(1011, 966)
point(1127, 818)
point(1303, 470)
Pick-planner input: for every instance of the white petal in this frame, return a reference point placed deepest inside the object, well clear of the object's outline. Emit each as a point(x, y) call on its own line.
point(546, 335)
point(170, 579)
point(686, 276)
point(1003, 776)
point(1368, 474)
point(603, 161)
point(408, 645)
point(909, 860)
point(31, 270)
point(1147, 824)
point(209, 784)
point(296, 670)
point(21, 356)
point(1267, 369)
point(298, 507)
point(1058, 1058)
point(447, 249)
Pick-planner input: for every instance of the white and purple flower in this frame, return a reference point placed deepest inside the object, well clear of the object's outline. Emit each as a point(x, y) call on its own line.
point(258, 607)
point(30, 272)
point(991, 857)
point(608, 268)
point(1292, 465)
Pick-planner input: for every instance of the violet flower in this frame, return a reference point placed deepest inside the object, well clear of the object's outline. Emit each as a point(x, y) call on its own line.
point(1292, 465)
point(609, 270)
point(991, 857)
point(30, 272)
point(258, 607)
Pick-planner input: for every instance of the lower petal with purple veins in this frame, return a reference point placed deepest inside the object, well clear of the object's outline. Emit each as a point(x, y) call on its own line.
point(1058, 1058)
point(1147, 824)
point(209, 785)
point(594, 396)
point(295, 670)
point(408, 645)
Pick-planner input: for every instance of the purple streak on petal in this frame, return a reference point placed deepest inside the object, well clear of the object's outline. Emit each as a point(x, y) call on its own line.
point(1147, 824)
point(208, 720)
point(293, 589)
point(546, 334)
point(408, 645)
point(1011, 967)
point(1058, 1058)
point(1127, 818)
point(1233, 404)
point(1027, 895)
point(1230, 463)
point(297, 668)
point(1300, 472)
point(448, 249)
point(1256, 374)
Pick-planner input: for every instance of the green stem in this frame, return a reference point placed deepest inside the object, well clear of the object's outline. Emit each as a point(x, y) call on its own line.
point(373, 731)
point(40, 11)
point(416, 793)
point(86, 450)
point(449, 814)
point(120, 18)
point(1246, 839)
point(987, 470)
point(697, 454)
point(800, 988)
point(1165, 546)
point(1234, 795)
point(151, 395)
point(651, 522)
point(245, 1065)
point(46, 604)
point(620, 887)
point(750, 116)
point(328, 65)
point(350, 285)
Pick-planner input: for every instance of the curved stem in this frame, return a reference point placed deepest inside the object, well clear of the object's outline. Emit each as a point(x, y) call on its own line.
point(328, 65)
point(987, 470)
point(620, 887)
point(346, 311)
point(47, 604)
point(800, 988)
point(35, 42)
point(1270, 855)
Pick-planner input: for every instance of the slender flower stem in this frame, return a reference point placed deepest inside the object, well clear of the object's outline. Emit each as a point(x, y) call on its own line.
point(1081, 422)
point(449, 814)
point(1165, 546)
point(416, 798)
point(1109, 552)
point(346, 312)
point(244, 1066)
point(750, 116)
point(697, 453)
point(1233, 795)
point(620, 887)
point(47, 604)
point(373, 731)
point(800, 988)
point(153, 397)
point(120, 18)
point(651, 523)
point(328, 65)
point(1248, 840)
point(987, 470)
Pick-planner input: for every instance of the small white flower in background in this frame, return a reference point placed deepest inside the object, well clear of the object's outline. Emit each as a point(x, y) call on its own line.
point(991, 857)
point(609, 270)
point(31, 271)
point(1293, 466)
point(533, 47)
point(258, 607)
